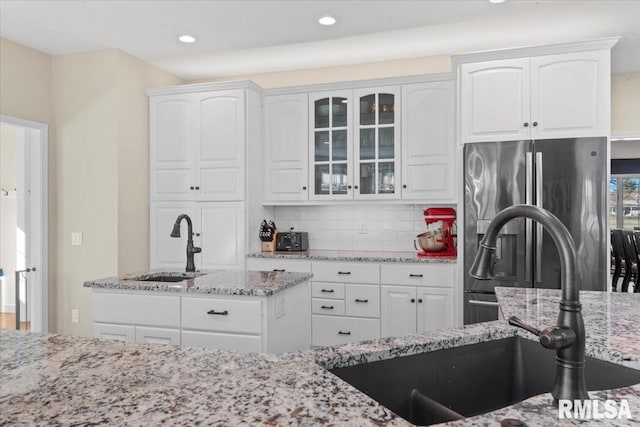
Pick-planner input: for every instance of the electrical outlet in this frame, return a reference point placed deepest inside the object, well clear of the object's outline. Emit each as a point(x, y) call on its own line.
point(76, 238)
point(362, 227)
point(74, 315)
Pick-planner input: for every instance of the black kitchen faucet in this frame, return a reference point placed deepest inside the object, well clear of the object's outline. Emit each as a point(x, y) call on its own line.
point(191, 250)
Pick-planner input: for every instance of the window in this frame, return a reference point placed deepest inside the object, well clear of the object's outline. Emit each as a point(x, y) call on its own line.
point(624, 201)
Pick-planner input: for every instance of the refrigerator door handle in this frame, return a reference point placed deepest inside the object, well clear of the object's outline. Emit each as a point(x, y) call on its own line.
point(484, 303)
point(528, 194)
point(539, 229)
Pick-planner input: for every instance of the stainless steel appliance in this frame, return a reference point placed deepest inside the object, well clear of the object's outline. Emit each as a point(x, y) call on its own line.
point(292, 241)
point(565, 176)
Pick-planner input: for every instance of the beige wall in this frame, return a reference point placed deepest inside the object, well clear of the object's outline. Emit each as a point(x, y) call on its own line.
point(101, 118)
point(371, 70)
point(625, 103)
point(26, 93)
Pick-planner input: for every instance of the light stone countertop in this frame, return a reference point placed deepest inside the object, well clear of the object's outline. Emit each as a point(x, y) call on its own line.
point(219, 282)
point(53, 379)
point(361, 256)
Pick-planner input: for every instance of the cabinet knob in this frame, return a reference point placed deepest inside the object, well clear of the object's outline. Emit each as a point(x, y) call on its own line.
point(192, 188)
point(349, 187)
point(526, 124)
point(404, 186)
point(355, 186)
point(420, 300)
point(197, 188)
point(197, 234)
point(413, 300)
point(304, 188)
point(535, 123)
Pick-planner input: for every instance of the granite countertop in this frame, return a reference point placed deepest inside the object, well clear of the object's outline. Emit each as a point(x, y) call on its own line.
point(66, 380)
point(362, 256)
point(220, 282)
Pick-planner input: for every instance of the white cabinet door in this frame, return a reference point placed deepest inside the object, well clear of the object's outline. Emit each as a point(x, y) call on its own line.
point(428, 144)
point(219, 133)
point(331, 145)
point(435, 309)
point(114, 332)
point(569, 95)
point(221, 235)
point(157, 335)
point(164, 250)
point(376, 147)
point(495, 100)
point(286, 147)
point(170, 136)
point(398, 310)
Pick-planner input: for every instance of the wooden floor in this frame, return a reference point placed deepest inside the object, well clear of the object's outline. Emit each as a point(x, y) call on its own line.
point(8, 321)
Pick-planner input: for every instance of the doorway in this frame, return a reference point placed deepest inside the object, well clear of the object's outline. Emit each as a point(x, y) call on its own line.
point(23, 225)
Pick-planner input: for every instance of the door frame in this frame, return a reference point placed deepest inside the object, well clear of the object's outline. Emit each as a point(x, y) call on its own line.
point(37, 136)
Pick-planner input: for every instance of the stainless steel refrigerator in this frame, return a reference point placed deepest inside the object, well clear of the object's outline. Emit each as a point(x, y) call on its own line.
point(565, 176)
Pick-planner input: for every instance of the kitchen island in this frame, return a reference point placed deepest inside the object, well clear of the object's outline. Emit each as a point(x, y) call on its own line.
point(55, 379)
point(250, 311)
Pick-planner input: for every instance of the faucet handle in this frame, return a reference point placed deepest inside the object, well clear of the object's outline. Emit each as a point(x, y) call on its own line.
point(196, 250)
point(515, 321)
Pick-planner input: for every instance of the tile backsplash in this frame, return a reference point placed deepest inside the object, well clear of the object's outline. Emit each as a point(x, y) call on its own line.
point(355, 227)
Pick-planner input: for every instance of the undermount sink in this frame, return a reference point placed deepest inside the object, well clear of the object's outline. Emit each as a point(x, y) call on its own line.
point(460, 382)
point(164, 277)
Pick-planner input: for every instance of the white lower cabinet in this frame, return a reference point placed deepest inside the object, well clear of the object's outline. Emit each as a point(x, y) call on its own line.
point(410, 309)
point(262, 324)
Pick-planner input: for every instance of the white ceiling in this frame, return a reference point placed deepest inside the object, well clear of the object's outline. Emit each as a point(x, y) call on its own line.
point(246, 37)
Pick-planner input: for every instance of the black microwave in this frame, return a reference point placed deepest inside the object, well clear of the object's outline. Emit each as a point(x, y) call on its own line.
point(292, 241)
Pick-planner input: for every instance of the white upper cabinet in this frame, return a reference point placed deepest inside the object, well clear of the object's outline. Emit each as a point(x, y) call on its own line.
point(570, 95)
point(377, 144)
point(197, 144)
point(286, 147)
point(428, 141)
point(494, 98)
point(331, 145)
point(542, 96)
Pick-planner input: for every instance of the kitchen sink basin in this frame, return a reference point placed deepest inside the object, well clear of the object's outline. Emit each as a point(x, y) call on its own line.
point(164, 277)
point(461, 382)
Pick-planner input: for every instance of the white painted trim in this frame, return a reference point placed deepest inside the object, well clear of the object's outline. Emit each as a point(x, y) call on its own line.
point(361, 84)
point(624, 136)
point(204, 87)
point(528, 51)
point(39, 152)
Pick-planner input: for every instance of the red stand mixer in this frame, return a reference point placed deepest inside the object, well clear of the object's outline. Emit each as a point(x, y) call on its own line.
point(440, 238)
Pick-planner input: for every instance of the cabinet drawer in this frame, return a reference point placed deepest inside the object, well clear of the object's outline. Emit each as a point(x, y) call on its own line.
point(327, 290)
point(362, 300)
point(157, 335)
point(231, 342)
point(328, 330)
point(156, 310)
point(219, 314)
point(346, 272)
point(114, 332)
point(262, 264)
point(327, 306)
point(441, 275)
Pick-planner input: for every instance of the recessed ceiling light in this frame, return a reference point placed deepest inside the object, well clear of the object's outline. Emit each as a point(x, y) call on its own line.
point(327, 20)
point(497, 1)
point(186, 38)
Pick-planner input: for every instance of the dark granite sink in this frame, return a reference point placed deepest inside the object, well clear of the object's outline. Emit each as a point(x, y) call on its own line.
point(164, 277)
point(461, 382)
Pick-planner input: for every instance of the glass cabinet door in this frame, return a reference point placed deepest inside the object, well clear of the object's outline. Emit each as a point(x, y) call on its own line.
point(377, 144)
point(330, 155)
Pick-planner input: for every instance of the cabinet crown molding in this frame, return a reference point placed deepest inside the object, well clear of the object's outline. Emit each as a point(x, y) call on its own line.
point(204, 87)
point(528, 51)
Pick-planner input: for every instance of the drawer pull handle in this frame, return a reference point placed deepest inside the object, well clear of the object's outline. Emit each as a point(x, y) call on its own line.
point(361, 300)
point(221, 313)
point(344, 272)
point(279, 270)
point(327, 291)
point(416, 275)
point(344, 333)
point(327, 307)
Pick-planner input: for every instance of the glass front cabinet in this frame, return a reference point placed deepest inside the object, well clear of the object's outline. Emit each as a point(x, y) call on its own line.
point(354, 144)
